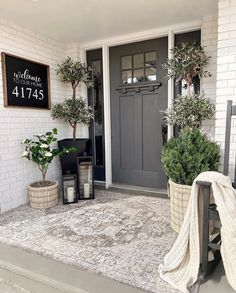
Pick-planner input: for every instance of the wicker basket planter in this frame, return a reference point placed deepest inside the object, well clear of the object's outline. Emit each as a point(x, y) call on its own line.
point(179, 198)
point(43, 197)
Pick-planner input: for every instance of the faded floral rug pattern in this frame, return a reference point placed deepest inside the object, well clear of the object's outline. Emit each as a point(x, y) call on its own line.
point(124, 237)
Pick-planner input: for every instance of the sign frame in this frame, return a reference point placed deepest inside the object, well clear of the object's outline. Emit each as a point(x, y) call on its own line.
point(4, 78)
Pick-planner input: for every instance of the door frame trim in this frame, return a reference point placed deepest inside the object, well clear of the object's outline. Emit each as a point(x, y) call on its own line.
point(105, 44)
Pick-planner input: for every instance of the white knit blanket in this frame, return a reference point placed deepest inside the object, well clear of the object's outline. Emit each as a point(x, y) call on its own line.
point(181, 264)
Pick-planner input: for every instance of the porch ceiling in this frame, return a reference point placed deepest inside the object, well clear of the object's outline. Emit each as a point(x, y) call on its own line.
point(85, 21)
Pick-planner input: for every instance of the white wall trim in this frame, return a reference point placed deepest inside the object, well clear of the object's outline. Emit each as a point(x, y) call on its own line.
point(107, 114)
point(171, 43)
point(105, 44)
point(143, 35)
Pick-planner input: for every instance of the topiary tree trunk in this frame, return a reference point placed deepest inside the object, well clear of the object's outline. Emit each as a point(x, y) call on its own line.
point(74, 126)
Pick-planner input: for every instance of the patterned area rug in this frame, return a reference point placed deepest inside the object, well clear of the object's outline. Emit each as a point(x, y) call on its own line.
point(124, 237)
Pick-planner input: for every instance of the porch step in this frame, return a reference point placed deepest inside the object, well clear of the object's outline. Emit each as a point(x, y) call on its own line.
point(32, 281)
point(162, 193)
point(40, 274)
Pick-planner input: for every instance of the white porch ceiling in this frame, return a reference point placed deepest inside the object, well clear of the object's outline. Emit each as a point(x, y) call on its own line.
point(89, 20)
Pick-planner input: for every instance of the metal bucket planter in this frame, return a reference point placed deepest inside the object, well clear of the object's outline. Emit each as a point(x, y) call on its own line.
point(179, 198)
point(43, 197)
point(69, 161)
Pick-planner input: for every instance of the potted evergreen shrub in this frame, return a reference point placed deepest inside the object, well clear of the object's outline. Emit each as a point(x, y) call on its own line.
point(43, 194)
point(73, 110)
point(191, 153)
point(183, 158)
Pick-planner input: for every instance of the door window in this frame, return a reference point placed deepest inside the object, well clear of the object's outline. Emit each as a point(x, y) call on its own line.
point(138, 60)
point(139, 68)
point(126, 62)
point(126, 76)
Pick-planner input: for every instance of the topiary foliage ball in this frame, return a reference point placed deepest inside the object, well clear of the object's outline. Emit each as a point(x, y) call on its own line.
point(188, 60)
point(192, 153)
point(189, 111)
point(74, 111)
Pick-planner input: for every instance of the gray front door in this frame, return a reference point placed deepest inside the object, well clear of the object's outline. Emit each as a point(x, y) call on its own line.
point(138, 94)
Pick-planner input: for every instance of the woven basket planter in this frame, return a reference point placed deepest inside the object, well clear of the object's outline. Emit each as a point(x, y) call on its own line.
point(43, 197)
point(179, 198)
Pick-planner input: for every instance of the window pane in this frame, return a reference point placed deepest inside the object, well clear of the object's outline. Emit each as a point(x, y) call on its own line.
point(126, 62)
point(151, 74)
point(126, 76)
point(96, 66)
point(138, 75)
point(150, 58)
point(138, 60)
point(184, 88)
point(98, 112)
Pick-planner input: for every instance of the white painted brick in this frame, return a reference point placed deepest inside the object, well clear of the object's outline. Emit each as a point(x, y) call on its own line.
point(226, 81)
point(208, 85)
point(16, 124)
point(223, 51)
point(226, 59)
point(224, 4)
point(222, 67)
point(222, 84)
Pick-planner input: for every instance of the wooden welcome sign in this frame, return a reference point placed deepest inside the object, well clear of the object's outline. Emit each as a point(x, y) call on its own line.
point(26, 83)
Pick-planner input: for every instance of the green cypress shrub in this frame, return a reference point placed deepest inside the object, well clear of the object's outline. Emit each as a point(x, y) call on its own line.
point(185, 157)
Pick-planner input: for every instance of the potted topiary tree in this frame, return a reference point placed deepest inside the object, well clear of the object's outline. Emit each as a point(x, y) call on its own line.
point(43, 194)
point(73, 110)
point(191, 153)
point(187, 63)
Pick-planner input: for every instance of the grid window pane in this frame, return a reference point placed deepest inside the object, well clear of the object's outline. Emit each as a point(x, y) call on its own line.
point(138, 60)
point(150, 59)
point(151, 74)
point(126, 62)
point(138, 75)
point(126, 76)
point(139, 68)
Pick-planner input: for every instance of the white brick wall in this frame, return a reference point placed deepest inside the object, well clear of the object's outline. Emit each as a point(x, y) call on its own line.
point(208, 85)
point(226, 73)
point(16, 124)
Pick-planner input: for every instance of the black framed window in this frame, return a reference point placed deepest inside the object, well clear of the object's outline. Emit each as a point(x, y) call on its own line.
point(180, 89)
point(189, 37)
point(95, 98)
point(141, 67)
point(98, 112)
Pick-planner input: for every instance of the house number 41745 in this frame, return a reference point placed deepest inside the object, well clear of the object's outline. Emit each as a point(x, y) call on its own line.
point(27, 93)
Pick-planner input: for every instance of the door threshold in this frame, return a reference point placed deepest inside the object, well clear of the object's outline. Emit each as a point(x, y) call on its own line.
point(158, 192)
point(99, 183)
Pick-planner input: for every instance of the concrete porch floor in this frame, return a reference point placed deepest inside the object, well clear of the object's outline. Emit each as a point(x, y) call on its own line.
point(44, 275)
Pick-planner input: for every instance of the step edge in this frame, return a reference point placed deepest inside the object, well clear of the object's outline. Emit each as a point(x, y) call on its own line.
point(40, 278)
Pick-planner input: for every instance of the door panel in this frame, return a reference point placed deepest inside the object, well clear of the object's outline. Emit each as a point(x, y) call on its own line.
point(150, 133)
point(127, 142)
point(138, 94)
